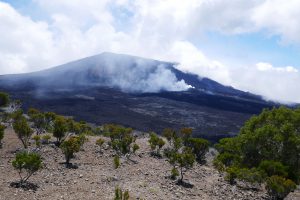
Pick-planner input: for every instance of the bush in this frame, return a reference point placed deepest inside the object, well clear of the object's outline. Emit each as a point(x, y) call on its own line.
point(120, 195)
point(60, 128)
point(271, 168)
point(122, 140)
point(2, 128)
point(174, 173)
point(156, 144)
point(69, 147)
point(39, 121)
point(170, 134)
point(82, 139)
point(46, 138)
point(267, 147)
point(23, 130)
point(100, 142)
point(135, 147)
point(232, 174)
point(199, 146)
point(117, 162)
point(37, 140)
point(250, 175)
point(4, 99)
point(27, 164)
point(185, 134)
point(279, 187)
point(183, 160)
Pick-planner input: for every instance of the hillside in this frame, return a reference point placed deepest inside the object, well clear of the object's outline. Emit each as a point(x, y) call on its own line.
point(96, 178)
point(141, 93)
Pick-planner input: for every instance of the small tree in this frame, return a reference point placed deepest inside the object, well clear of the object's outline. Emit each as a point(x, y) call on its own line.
point(170, 134)
point(69, 147)
point(23, 130)
point(156, 143)
point(199, 146)
point(120, 195)
point(60, 129)
point(39, 122)
point(27, 164)
point(122, 141)
point(49, 118)
point(278, 187)
point(2, 128)
point(185, 134)
point(184, 161)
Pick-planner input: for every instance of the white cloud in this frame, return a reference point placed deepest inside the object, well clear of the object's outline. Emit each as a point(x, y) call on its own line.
point(280, 18)
point(279, 83)
point(155, 29)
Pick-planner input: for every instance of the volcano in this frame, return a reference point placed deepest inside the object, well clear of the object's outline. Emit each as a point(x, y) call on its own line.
point(145, 94)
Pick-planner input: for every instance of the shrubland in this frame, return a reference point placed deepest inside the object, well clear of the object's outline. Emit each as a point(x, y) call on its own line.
point(267, 150)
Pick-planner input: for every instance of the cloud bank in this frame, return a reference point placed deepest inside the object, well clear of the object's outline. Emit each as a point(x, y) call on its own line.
point(165, 30)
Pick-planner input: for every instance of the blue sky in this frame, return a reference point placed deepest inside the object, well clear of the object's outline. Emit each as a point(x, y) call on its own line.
point(237, 43)
point(252, 47)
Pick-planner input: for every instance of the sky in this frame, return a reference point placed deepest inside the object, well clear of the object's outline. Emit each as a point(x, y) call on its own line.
point(252, 45)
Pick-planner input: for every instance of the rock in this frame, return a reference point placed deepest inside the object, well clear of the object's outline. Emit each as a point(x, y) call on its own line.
point(80, 175)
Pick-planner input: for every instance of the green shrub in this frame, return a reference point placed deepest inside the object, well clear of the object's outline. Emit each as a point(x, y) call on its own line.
point(271, 168)
point(120, 195)
point(156, 144)
point(100, 142)
point(60, 128)
point(170, 134)
point(22, 130)
point(185, 134)
point(122, 140)
point(37, 140)
point(27, 164)
point(39, 121)
point(199, 146)
point(250, 175)
point(46, 138)
point(267, 149)
point(279, 187)
point(135, 147)
point(183, 160)
point(69, 147)
point(117, 162)
point(174, 173)
point(232, 174)
point(82, 139)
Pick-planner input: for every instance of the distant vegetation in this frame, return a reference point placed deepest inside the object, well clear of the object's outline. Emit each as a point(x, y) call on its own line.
point(267, 149)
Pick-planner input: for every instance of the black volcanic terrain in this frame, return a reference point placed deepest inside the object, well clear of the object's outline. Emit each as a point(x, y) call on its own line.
point(141, 93)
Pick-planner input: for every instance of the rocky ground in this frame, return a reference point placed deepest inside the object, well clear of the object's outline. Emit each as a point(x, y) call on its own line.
point(96, 177)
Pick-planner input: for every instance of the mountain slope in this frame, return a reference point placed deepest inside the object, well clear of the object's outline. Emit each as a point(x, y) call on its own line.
point(142, 93)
